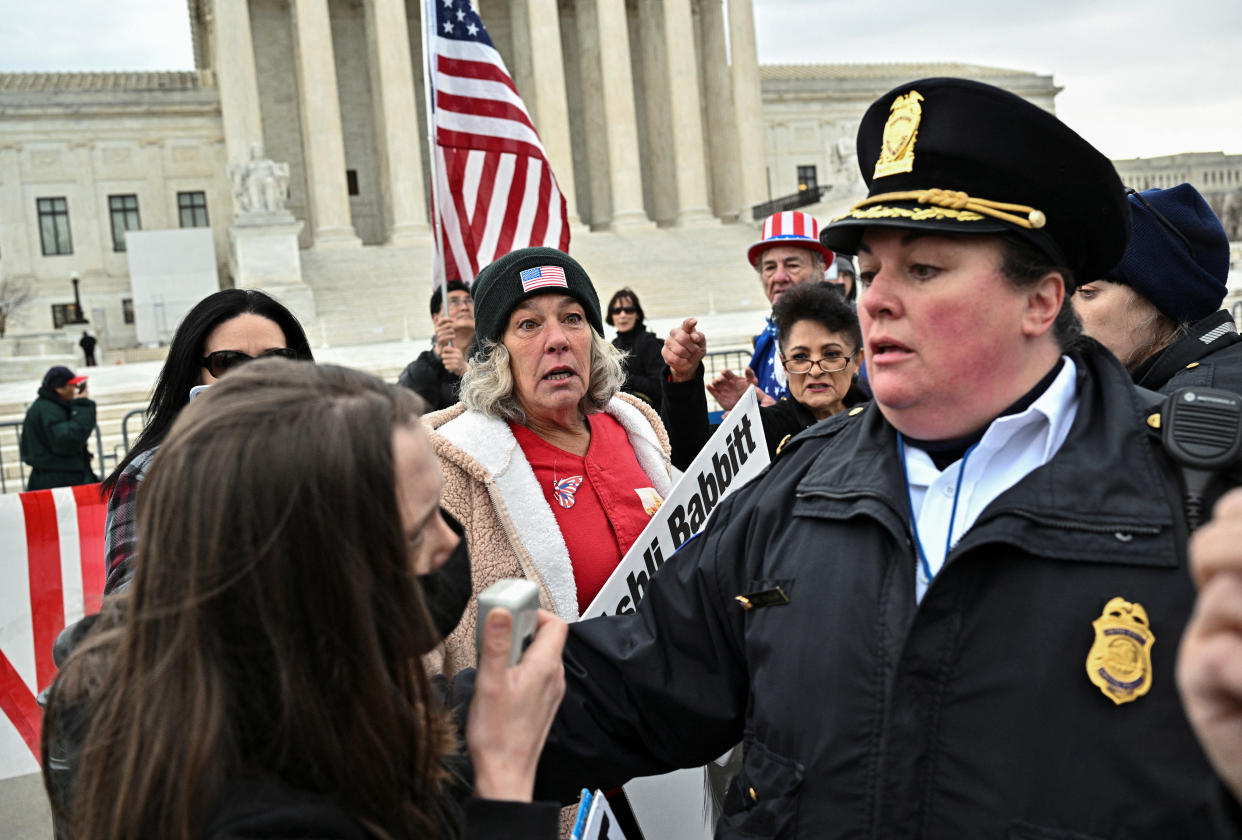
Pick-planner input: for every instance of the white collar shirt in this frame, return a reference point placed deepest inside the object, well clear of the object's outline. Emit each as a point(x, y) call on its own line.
point(948, 502)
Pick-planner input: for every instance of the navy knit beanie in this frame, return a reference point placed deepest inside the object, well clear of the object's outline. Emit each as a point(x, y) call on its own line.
point(522, 274)
point(1184, 279)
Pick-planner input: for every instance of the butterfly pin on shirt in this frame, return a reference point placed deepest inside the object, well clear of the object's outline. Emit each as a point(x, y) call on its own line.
point(564, 490)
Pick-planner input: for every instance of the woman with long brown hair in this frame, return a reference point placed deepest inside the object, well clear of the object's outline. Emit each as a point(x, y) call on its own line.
point(262, 677)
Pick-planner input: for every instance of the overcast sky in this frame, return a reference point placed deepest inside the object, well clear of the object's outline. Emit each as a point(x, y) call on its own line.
point(1140, 77)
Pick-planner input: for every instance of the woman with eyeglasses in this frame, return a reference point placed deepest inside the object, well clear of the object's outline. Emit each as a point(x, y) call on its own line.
point(221, 332)
point(820, 349)
point(1158, 310)
point(643, 361)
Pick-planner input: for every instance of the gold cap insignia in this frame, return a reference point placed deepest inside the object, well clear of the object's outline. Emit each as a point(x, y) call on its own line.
point(1119, 663)
point(900, 132)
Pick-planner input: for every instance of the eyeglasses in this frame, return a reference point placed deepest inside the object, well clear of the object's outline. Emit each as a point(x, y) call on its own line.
point(1160, 217)
point(459, 303)
point(222, 361)
point(830, 363)
point(624, 310)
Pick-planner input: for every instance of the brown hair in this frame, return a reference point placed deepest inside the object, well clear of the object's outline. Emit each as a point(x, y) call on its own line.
point(273, 624)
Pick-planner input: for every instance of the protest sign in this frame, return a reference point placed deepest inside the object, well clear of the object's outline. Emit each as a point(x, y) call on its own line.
point(672, 804)
point(735, 454)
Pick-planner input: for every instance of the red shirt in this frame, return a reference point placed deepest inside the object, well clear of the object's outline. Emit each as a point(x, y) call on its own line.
point(601, 515)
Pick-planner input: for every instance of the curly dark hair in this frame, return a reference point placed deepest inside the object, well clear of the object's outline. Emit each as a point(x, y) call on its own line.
point(817, 302)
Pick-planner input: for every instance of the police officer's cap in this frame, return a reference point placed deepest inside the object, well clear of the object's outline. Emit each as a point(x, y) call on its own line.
point(963, 157)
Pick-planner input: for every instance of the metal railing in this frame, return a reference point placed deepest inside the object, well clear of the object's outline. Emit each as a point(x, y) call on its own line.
point(721, 360)
point(16, 425)
point(789, 202)
point(125, 427)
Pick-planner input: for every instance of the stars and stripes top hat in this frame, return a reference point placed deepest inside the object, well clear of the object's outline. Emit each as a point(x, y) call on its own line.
point(791, 227)
point(522, 274)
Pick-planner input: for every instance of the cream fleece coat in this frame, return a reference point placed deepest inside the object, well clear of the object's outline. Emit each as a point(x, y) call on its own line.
point(511, 531)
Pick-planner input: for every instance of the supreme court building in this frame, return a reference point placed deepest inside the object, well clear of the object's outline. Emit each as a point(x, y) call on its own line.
point(661, 127)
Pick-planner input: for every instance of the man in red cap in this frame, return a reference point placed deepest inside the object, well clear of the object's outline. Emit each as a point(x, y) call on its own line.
point(789, 253)
point(54, 434)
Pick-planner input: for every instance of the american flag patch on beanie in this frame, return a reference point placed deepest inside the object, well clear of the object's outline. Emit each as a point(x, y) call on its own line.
point(543, 277)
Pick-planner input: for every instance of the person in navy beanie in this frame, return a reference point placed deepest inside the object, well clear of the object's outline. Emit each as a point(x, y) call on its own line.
point(1159, 310)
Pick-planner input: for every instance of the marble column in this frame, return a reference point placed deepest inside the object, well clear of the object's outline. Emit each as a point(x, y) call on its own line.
point(90, 224)
point(537, 44)
point(18, 235)
point(725, 166)
point(159, 213)
point(616, 91)
point(396, 123)
point(236, 79)
point(322, 139)
point(686, 115)
point(748, 104)
point(654, 108)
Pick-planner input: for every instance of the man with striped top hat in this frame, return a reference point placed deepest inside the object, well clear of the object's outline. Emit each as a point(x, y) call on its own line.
point(788, 254)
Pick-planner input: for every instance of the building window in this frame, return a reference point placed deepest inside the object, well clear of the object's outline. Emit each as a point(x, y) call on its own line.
point(124, 212)
point(66, 313)
point(127, 310)
point(806, 178)
point(192, 208)
point(351, 181)
point(54, 226)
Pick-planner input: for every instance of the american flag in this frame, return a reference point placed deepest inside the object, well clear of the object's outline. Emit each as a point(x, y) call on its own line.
point(543, 277)
point(494, 186)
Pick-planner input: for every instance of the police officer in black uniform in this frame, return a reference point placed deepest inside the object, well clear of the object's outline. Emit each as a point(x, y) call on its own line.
point(951, 613)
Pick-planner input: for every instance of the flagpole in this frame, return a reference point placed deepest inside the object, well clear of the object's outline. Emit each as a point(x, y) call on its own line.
point(440, 277)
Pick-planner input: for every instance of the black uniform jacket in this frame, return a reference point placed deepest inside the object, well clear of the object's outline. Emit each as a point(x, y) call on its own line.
point(1209, 357)
point(867, 715)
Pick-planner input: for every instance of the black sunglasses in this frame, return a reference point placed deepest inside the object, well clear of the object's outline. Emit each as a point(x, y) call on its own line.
point(1160, 217)
point(628, 310)
point(222, 361)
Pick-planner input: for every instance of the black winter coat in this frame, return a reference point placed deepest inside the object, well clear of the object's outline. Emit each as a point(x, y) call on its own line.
point(643, 365)
point(267, 808)
point(430, 379)
point(53, 442)
point(1209, 357)
point(866, 714)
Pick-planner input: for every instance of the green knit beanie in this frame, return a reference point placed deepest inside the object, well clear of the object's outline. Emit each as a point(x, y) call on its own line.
point(522, 274)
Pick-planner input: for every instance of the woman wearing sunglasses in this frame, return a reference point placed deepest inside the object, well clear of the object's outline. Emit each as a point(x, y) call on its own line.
point(222, 331)
point(642, 362)
point(1158, 310)
point(820, 349)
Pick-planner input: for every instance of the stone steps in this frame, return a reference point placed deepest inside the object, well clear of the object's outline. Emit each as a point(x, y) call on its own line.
point(371, 295)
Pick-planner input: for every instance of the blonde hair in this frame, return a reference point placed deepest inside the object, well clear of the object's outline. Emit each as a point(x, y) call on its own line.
point(488, 385)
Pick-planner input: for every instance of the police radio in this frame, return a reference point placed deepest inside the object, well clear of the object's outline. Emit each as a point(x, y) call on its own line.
point(1201, 430)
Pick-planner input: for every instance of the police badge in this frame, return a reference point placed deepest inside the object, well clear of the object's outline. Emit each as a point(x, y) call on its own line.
point(1119, 663)
point(900, 132)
